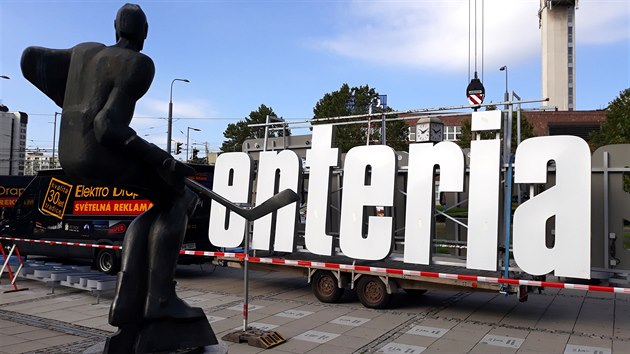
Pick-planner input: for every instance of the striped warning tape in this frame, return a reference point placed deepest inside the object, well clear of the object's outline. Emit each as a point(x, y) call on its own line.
point(360, 268)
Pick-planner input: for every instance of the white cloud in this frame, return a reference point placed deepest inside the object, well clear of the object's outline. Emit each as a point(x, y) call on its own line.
point(182, 108)
point(433, 35)
point(603, 21)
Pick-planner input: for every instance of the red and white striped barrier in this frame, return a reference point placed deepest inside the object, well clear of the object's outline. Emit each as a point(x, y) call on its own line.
point(360, 268)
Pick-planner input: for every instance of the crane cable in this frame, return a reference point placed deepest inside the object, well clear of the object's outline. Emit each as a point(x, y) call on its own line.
point(470, 12)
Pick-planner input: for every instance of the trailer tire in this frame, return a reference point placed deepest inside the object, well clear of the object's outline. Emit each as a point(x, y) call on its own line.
point(107, 261)
point(372, 292)
point(324, 286)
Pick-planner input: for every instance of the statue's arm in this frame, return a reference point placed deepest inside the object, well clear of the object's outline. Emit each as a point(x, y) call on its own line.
point(47, 69)
point(112, 130)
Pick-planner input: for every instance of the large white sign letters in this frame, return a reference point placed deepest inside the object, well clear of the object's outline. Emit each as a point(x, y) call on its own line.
point(369, 180)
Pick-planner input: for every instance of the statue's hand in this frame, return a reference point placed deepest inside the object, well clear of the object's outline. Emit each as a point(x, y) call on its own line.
point(173, 171)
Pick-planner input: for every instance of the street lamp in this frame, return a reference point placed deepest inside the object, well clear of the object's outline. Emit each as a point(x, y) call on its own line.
point(170, 116)
point(6, 78)
point(506, 96)
point(54, 163)
point(188, 139)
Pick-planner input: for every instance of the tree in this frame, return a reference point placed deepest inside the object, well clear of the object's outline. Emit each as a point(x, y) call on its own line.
point(616, 129)
point(353, 101)
point(527, 131)
point(236, 133)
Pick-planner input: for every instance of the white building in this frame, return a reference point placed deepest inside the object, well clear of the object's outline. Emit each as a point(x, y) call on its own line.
point(12, 142)
point(557, 24)
point(36, 161)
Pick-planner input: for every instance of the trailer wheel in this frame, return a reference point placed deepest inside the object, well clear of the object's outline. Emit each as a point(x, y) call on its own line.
point(107, 261)
point(372, 292)
point(324, 285)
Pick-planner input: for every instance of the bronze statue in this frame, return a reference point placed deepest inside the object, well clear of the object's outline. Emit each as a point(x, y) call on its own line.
point(97, 87)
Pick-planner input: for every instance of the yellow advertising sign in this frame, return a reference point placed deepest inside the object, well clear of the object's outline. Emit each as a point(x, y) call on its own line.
point(56, 198)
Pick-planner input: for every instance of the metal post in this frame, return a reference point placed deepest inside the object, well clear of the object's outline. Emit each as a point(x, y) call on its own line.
point(11, 147)
point(54, 163)
point(267, 120)
point(507, 160)
point(606, 206)
point(246, 278)
point(188, 140)
point(383, 131)
point(169, 134)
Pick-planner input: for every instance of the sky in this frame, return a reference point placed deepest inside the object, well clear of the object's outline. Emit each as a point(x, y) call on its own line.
point(287, 54)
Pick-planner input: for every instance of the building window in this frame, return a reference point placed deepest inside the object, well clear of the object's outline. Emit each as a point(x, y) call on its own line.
point(412, 134)
point(452, 133)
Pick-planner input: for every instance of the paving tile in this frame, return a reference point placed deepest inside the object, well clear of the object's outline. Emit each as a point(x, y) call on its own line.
point(594, 317)
point(394, 347)
point(426, 331)
point(60, 339)
point(445, 345)
point(37, 334)
point(350, 321)
point(24, 347)
point(581, 349)
point(10, 339)
point(350, 341)
point(333, 328)
point(297, 346)
point(467, 332)
point(329, 349)
point(412, 339)
point(18, 328)
point(242, 348)
point(387, 320)
point(589, 342)
point(544, 342)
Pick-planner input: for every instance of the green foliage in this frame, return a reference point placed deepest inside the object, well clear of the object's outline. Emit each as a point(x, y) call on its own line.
point(342, 103)
point(527, 131)
point(236, 133)
point(616, 129)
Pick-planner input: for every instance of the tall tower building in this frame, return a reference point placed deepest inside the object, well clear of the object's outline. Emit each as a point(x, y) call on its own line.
point(557, 24)
point(12, 142)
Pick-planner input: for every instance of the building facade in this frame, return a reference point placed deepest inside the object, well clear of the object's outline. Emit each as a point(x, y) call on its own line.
point(36, 161)
point(12, 142)
point(557, 25)
point(577, 123)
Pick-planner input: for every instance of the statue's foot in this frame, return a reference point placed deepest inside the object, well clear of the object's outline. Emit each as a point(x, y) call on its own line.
point(170, 308)
point(123, 340)
point(126, 306)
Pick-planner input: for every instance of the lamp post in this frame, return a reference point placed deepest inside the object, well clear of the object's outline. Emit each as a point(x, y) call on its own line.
point(6, 78)
point(506, 96)
point(188, 139)
point(54, 163)
point(170, 115)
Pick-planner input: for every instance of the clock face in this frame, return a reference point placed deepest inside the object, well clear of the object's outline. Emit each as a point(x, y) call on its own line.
point(436, 133)
point(423, 132)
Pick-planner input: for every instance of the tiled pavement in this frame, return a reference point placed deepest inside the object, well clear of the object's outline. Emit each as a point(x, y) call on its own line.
point(557, 321)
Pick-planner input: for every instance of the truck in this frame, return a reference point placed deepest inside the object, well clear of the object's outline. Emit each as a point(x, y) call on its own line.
point(11, 187)
point(55, 211)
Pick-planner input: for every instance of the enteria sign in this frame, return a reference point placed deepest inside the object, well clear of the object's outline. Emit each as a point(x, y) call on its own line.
point(369, 179)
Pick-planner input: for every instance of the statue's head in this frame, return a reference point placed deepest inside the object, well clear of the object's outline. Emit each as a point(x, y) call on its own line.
point(131, 24)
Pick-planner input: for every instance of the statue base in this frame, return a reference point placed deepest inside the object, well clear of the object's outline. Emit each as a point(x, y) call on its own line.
point(163, 336)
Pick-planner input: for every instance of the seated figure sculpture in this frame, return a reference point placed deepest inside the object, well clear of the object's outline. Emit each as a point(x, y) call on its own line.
point(97, 87)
